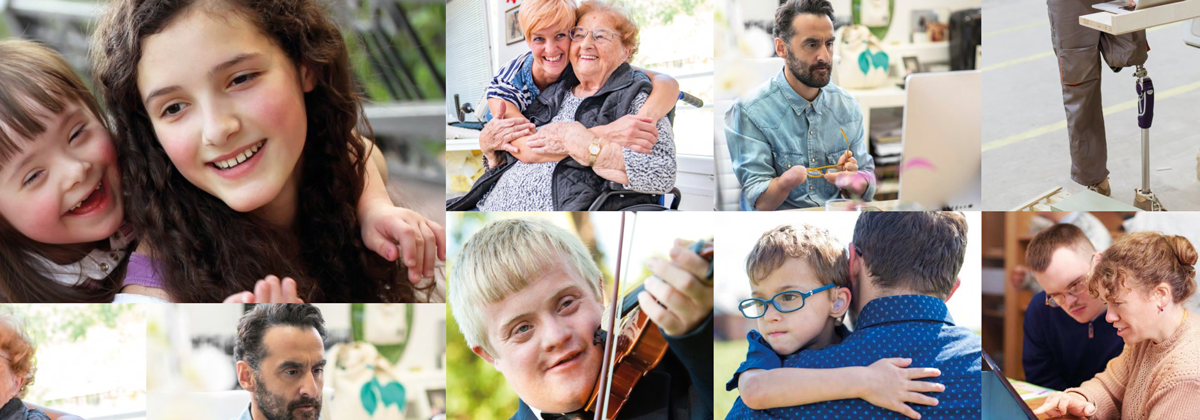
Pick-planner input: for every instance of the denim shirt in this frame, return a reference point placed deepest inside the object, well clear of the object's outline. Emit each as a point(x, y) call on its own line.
point(912, 326)
point(246, 414)
point(773, 129)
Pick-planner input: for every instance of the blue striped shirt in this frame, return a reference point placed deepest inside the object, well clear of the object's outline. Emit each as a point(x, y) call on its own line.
point(514, 83)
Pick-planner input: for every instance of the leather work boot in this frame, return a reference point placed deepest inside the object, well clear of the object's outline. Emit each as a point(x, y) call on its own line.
point(1101, 188)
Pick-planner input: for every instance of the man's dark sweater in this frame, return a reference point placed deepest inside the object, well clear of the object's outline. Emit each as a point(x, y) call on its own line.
point(1059, 353)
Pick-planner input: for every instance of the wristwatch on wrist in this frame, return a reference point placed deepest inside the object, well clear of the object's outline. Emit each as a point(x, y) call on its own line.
point(593, 151)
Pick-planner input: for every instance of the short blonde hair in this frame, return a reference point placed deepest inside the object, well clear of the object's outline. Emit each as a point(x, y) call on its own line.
point(536, 15)
point(15, 343)
point(503, 258)
point(815, 246)
point(620, 16)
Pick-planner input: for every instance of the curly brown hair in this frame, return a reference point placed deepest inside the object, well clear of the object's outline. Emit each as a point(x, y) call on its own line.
point(35, 76)
point(1141, 261)
point(206, 250)
point(815, 246)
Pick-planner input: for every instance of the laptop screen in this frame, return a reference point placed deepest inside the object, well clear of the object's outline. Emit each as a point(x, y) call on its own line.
point(1000, 400)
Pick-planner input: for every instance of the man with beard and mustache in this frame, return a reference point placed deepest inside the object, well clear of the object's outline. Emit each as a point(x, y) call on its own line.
point(281, 360)
point(795, 121)
point(1064, 348)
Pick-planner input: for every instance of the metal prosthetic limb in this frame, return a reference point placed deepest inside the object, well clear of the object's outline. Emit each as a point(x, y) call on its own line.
point(1144, 198)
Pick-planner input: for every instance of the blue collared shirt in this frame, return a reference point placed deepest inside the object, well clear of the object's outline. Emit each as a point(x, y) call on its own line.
point(912, 326)
point(246, 414)
point(773, 129)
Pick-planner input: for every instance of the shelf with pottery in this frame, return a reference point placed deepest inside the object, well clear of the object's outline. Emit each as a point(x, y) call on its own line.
point(1124, 23)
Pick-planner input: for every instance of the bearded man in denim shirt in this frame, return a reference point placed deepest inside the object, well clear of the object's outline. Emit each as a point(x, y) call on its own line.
point(794, 122)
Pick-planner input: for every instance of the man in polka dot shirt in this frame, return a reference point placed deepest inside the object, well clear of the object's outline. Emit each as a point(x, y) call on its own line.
point(903, 267)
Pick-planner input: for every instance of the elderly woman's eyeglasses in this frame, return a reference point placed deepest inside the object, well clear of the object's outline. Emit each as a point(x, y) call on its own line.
point(601, 36)
point(784, 302)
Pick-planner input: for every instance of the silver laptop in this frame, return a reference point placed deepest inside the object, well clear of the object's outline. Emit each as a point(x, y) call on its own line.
point(941, 141)
point(1122, 6)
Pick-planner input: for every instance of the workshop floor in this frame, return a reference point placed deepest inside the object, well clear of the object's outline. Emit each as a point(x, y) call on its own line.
point(1025, 146)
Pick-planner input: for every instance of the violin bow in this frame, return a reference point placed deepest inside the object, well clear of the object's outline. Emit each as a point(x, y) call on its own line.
point(609, 342)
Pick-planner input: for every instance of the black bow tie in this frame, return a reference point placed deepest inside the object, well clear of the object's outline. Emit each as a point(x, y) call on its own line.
point(574, 415)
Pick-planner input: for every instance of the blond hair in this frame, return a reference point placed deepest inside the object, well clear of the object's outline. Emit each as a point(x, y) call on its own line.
point(536, 15)
point(18, 348)
point(815, 246)
point(504, 258)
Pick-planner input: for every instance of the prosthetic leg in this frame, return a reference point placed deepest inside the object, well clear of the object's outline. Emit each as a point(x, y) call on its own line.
point(1144, 198)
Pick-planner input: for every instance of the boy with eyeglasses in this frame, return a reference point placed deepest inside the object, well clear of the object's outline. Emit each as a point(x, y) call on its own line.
point(800, 294)
point(1063, 348)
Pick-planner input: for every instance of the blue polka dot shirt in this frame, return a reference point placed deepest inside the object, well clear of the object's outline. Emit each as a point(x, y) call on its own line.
point(912, 326)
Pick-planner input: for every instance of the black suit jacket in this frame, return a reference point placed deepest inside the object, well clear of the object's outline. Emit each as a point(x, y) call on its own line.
point(679, 388)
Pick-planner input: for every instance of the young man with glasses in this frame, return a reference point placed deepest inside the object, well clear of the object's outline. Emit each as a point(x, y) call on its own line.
point(1067, 339)
point(903, 266)
point(800, 294)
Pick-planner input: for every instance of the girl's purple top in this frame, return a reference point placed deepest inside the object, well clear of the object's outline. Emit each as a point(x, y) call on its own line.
point(142, 271)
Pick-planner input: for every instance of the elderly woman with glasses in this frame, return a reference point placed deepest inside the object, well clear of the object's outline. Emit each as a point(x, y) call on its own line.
point(17, 368)
point(1145, 278)
point(592, 124)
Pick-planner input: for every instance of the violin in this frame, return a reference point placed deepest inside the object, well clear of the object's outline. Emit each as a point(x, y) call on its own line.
point(637, 346)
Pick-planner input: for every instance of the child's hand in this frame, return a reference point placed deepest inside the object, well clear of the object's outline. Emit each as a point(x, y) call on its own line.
point(421, 240)
point(269, 290)
point(890, 385)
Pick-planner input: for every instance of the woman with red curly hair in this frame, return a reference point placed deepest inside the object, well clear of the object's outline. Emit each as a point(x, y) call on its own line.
point(1145, 278)
point(17, 368)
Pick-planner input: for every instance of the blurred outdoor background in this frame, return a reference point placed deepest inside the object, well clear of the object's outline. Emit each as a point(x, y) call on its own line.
point(739, 232)
point(479, 391)
point(398, 50)
point(676, 39)
point(90, 359)
point(192, 373)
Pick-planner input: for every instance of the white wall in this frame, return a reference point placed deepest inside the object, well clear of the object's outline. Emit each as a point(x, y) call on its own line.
point(501, 54)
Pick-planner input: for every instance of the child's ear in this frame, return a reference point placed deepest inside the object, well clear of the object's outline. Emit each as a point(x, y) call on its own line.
point(487, 357)
point(308, 78)
point(245, 375)
point(841, 302)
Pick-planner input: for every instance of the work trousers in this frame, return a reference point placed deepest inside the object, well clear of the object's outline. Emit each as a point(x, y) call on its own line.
point(1079, 50)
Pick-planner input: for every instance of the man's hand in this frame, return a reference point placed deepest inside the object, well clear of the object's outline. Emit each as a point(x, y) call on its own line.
point(847, 177)
point(632, 132)
point(675, 297)
point(269, 290)
point(890, 383)
point(1065, 403)
point(499, 134)
point(420, 239)
point(565, 138)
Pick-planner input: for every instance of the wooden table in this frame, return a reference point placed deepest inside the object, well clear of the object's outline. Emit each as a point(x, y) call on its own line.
point(884, 205)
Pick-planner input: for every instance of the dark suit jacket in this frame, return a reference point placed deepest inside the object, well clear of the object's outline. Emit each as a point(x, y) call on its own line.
point(679, 388)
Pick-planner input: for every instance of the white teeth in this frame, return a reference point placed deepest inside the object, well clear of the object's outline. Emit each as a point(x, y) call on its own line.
point(236, 160)
point(555, 59)
point(588, 57)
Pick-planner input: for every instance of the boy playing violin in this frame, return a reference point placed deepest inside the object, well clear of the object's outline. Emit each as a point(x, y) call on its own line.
point(534, 317)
